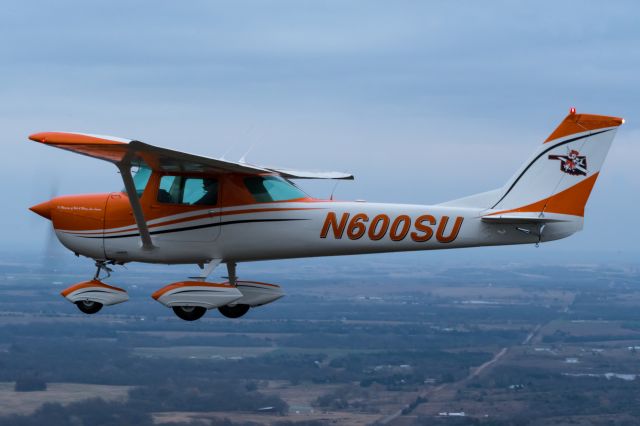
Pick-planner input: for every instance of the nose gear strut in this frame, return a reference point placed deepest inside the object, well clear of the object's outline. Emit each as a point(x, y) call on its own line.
point(102, 264)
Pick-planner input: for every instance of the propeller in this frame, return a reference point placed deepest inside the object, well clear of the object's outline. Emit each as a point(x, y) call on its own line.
point(52, 254)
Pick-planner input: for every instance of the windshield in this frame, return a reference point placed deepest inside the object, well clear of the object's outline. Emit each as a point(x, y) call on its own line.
point(272, 188)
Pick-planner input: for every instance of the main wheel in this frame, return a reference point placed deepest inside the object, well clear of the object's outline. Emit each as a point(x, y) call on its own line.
point(89, 307)
point(189, 313)
point(235, 311)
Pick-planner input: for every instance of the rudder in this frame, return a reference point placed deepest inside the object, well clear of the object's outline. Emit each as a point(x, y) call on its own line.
point(561, 174)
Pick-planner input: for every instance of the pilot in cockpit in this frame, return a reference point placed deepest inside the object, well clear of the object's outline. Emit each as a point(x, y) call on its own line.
point(210, 197)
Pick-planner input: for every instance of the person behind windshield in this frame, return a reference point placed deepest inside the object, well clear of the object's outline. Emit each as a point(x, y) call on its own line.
point(210, 197)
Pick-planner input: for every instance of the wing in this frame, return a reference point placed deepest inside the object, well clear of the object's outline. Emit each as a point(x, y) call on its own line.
point(302, 174)
point(117, 150)
point(126, 152)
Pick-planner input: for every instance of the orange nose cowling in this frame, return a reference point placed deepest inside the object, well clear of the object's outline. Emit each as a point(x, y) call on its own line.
point(43, 209)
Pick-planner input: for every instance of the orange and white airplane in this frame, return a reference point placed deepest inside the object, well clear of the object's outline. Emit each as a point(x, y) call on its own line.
point(179, 208)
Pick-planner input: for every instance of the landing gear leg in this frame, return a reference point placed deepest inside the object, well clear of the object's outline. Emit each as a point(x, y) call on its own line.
point(90, 306)
point(207, 269)
point(102, 264)
point(231, 272)
point(237, 310)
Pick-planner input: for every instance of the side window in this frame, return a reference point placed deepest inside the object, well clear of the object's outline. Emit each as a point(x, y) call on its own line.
point(256, 187)
point(272, 188)
point(192, 191)
point(200, 191)
point(170, 189)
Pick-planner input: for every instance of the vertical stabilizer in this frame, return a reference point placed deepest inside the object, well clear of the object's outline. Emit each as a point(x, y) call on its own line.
point(559, 177)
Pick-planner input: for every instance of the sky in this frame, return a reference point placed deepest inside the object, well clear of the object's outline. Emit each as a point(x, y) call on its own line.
point(422, 101)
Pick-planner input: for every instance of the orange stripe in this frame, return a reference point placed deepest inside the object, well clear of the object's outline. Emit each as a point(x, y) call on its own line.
point(578, 123)
point(85, 284)
point(181, 284)
point(228, 213)
point(202, 216)
point(570, 201)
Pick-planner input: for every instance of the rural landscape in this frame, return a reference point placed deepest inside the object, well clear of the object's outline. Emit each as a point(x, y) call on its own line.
point(368, 343)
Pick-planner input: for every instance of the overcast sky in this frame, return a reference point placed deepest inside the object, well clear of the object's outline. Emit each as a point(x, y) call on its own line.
point(422, 101)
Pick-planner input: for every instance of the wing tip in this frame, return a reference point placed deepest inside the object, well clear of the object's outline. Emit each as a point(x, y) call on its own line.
point(71, 138)
point(39, 137)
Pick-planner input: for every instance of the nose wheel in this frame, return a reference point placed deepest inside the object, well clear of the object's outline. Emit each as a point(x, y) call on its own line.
point(90, 296)
point(88, 307)
point(189, 313)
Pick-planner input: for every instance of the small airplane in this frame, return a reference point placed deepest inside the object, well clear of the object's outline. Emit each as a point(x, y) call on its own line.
point(179, 208)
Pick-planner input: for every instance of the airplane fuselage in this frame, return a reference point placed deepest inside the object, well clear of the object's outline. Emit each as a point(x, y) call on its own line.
point(279, 230)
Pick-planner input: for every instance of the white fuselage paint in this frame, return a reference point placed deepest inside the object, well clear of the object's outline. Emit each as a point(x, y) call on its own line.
point(298, 232)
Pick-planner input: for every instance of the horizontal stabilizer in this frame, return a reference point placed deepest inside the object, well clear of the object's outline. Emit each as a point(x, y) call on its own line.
point(508, 219)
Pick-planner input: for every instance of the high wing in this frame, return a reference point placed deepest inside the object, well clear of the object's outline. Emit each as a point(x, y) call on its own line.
point(125, 153)
point(118, 150)
point(304, 174)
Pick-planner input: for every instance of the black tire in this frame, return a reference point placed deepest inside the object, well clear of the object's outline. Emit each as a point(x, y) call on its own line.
point(235, 311)
point(189, 313)
point(88, 307)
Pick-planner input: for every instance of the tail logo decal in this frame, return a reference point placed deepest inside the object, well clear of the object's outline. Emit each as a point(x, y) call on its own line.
point(573, 163)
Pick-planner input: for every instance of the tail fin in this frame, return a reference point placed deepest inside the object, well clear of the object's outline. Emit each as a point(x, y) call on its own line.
point(561, 174)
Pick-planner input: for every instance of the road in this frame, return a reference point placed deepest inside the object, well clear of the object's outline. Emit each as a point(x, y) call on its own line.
point(475, 373)
point(531, 335)
point(484, 366)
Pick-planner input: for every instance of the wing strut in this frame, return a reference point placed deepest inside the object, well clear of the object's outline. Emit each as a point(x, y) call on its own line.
point(125, 170)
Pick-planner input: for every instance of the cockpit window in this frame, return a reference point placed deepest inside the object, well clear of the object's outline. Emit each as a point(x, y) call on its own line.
point(272, 188)
point(193, 191)
point(141, 175)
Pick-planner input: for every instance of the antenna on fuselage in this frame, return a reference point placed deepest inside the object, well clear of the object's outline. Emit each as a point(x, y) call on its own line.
point(225, 154)
point(334, 189)
point(243, 159)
